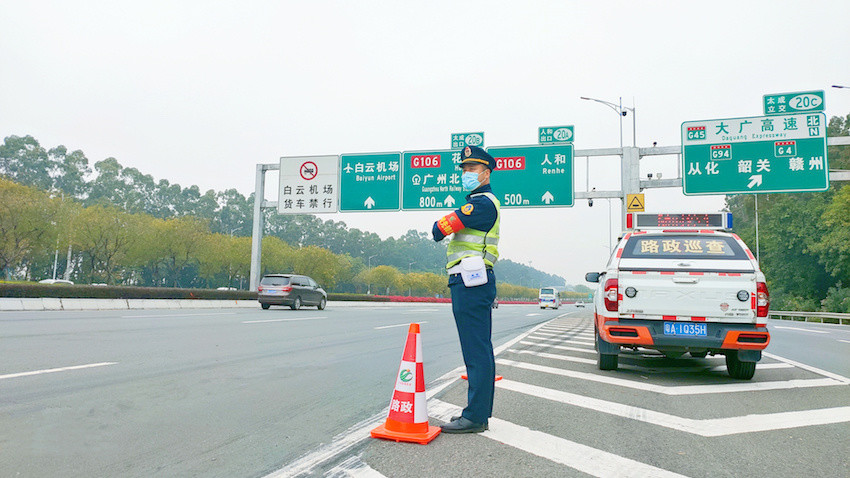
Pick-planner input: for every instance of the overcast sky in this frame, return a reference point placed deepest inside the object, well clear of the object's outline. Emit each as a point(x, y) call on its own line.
point(199, 92)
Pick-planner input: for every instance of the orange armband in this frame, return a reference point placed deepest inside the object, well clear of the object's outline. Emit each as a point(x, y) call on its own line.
point(449, 224)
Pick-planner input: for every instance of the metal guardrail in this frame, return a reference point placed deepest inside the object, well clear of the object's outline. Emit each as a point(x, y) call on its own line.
point(823, 317)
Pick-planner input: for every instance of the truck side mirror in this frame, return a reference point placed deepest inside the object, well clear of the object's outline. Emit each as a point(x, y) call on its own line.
point(591, 277)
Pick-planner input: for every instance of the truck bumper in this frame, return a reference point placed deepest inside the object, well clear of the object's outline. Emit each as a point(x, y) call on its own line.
point(650, 334)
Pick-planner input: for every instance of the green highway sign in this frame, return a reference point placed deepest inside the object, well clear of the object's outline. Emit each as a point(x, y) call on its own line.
point(759, 154)
point(369, 182)
point(533, 176)
point(431, 180)
point(462, 140)
point(788, 103)
point(555, 134)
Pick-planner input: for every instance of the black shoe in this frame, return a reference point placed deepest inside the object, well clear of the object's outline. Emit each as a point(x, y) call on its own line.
point(486, 425)
point(463, 425)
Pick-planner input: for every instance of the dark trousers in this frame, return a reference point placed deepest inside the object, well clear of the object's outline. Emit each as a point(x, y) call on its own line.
point(472, 308)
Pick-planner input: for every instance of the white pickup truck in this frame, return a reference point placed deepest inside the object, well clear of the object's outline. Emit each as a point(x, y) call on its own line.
point(682, 283)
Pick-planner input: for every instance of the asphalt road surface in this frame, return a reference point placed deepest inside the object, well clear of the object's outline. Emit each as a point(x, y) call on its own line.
point(243, 392)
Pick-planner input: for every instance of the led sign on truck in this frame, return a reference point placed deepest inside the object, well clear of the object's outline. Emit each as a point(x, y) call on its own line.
point(719, 220)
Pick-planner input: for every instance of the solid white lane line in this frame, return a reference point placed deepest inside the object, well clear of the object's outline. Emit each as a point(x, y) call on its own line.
point(568, 341)
point(518, 338)
point(570, 324)
point(558, 339)
point(52, 370)
point(407, 324)
point(845, 341)
point(353, 467)
point(583, 458)
point(649, 368)
point(711, 427)
point(293, 319)
point(563, 334)
point(566, 334)
point(160, 316)
point(567, 358)
point(559, 347)
point(580, 330)
point(799, 330)
point(697, 368)
point(676, 390)
point(816, 370)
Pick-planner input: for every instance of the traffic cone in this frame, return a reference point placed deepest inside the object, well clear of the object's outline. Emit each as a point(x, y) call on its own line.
point(465, 377)
point(408, 417)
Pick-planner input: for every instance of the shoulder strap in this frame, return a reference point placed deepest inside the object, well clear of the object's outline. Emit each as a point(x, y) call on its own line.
point(488, 195)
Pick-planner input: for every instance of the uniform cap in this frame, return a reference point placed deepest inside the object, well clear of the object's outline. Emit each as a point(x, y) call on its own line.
point(474, 154)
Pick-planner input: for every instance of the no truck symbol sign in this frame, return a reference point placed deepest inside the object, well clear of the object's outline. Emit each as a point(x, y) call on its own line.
point(309, 170)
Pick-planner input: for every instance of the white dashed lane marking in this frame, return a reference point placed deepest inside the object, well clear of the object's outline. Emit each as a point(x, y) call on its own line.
point(292, 319)
point(406, 324)
point(54, 370)
point(799, 330)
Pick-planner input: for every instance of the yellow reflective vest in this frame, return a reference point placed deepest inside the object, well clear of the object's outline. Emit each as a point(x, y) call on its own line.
point(472, 242)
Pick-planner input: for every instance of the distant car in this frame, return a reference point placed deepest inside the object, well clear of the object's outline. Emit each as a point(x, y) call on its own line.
point(580, 304)
point(55, 281)
point(292, 290)
point(495, 304)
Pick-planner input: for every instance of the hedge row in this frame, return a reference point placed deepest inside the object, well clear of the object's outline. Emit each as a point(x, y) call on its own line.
point(63, 291)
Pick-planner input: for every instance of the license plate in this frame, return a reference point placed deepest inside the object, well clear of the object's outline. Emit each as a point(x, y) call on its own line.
point(686, 329)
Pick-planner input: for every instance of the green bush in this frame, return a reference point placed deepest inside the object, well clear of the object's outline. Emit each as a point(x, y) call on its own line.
point(837, 300)
point(30, 290)
point(792, 302)
point(118, 292)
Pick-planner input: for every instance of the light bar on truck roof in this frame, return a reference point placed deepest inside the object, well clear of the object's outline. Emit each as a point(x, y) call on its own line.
point(711, 220)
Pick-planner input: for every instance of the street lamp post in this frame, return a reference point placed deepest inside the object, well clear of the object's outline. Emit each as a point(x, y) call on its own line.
point(621, 111)
point(609, 225)
point(229, 268)
point(369, 268)
point(408, 278)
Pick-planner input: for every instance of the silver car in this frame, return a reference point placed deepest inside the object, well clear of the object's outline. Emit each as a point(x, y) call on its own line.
point(292, 290)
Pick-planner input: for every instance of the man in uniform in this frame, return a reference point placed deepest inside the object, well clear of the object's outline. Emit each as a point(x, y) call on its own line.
point(476, 233)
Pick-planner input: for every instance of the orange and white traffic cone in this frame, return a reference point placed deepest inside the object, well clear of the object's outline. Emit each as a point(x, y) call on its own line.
point(408, 417)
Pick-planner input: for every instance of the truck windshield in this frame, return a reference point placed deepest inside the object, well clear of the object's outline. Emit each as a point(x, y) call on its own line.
point(683, 247)
point(547, 291)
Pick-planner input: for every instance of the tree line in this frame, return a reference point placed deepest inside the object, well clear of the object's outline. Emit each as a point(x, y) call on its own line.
point(115, 225)
point(803, 238)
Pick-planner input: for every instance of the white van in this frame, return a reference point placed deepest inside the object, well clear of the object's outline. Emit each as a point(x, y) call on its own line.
point(548, 297)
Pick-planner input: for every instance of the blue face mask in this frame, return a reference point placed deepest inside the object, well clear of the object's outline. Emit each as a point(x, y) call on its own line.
point(469, 181)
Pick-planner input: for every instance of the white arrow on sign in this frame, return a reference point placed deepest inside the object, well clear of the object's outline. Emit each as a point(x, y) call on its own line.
point(449, 201)
point(369, 203)
point(755, 180)
point(548, 197)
